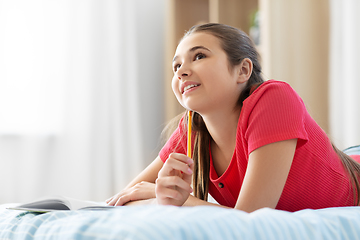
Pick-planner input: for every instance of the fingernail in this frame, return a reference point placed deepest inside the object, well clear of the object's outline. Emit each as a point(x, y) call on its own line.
point(189, 171)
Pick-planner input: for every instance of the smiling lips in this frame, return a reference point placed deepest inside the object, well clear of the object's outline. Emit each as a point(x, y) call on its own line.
point(188, 86)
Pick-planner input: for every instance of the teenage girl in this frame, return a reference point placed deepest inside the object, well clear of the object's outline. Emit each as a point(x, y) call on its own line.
point(255, 144)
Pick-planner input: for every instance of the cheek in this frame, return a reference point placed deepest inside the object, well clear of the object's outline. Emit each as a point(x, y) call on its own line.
point(211, 71)
point(175, 86)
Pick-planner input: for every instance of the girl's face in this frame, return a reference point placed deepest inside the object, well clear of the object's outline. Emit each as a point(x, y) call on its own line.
point(203, 79)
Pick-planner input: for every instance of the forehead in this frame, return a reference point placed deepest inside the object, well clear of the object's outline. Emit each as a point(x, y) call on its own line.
point(198, 39)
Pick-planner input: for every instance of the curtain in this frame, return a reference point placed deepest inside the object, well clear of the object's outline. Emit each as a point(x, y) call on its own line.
point(81, 98)
point(344, 72)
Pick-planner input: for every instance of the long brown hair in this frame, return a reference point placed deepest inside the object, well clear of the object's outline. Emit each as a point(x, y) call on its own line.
point(352, 168)
point(237, 46)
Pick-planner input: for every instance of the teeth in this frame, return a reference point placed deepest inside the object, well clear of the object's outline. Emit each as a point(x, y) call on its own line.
point(189, 86)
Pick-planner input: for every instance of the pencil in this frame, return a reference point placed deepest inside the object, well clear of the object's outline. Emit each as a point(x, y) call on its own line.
point(189, 134)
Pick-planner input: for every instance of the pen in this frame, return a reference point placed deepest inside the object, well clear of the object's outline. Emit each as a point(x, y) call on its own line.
point(189, 134)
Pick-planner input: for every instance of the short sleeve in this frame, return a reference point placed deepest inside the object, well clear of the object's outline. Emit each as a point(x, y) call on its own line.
point(176, 142)
point(274, 112)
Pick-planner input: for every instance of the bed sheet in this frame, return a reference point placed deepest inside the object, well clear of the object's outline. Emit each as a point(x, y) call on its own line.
point(170, 222)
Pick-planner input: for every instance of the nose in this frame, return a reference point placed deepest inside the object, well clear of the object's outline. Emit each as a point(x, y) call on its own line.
point(182, 75)
point(182, 72)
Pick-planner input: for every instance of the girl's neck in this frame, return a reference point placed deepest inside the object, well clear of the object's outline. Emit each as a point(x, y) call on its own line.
point(222, 128)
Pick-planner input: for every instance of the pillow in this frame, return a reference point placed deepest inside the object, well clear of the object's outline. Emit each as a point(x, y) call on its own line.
point(354, 150)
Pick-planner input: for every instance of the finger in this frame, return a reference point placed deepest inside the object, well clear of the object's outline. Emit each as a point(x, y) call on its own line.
point(168, 193)
point(122, 200)
point(113, 200)
point(181, 157)
point(173, 164)
point(174, 182)
point(188, 177)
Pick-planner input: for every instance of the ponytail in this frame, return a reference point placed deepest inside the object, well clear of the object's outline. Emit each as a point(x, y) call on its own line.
point(201, 156)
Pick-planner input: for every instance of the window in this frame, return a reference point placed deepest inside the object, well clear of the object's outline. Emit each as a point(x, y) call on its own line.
point(32, 62)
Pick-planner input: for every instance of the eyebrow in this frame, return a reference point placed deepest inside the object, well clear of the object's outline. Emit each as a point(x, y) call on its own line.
point(193, 49)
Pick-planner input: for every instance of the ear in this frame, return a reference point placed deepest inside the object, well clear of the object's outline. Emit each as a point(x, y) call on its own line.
point(244, 70)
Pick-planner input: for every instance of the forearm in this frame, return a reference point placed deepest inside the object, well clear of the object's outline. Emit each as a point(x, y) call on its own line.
point(190, 202)
point(149, 201)
point(193, 201)
point(149, 174)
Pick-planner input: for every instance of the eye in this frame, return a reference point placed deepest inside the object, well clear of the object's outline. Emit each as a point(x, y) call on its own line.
point(199, 56)
point(176, 67)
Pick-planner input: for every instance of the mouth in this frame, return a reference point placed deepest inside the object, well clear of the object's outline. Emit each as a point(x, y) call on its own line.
point(190, 86)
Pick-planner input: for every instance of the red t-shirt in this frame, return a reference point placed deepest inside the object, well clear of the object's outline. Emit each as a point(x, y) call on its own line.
point(275, 112)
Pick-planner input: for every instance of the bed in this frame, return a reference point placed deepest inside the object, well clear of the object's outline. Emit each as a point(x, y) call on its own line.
point(170, 222)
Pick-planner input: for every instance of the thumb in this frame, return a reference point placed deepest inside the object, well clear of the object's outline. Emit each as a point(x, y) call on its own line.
point(187, 177)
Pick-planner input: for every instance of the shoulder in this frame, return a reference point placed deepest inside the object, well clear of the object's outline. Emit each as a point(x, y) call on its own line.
point(273, 92)
point(273, 87)
point(273, 101)
point(273, 112)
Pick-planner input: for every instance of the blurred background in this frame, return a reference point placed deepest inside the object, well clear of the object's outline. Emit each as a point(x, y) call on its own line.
point(85, 84)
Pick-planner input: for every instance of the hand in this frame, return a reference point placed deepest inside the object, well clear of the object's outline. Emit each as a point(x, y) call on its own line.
point(140, 191)
point(174, 180)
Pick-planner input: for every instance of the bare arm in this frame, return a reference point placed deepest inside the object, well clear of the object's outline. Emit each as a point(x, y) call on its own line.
point(266, 175)
point(263, 184)
point(149, 174)
point(141, 187)
point(193, 201)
